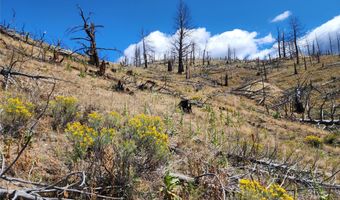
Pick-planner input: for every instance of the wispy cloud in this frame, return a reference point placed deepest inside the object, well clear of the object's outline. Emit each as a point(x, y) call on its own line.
point(282, 16)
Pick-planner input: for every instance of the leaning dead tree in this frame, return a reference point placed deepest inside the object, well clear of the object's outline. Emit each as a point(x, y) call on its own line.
point(181, 42)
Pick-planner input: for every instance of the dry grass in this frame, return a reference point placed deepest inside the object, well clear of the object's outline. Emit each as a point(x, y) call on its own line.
point(236, 116)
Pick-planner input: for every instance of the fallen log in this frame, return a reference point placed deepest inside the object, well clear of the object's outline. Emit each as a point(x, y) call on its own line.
point(325, 122)
point(20, 194)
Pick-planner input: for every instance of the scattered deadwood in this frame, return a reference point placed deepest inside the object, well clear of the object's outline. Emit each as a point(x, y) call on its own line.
point(286, 172)
point(148, 85)
point(325, 122)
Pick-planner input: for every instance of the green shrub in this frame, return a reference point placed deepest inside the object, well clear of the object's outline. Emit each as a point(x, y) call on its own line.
point(313, 140)
point(332, 139)
point(276, 115)
point(63, 110)
point(82, 74)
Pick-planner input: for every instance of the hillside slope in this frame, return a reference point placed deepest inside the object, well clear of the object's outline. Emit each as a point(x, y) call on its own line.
point(226, 139)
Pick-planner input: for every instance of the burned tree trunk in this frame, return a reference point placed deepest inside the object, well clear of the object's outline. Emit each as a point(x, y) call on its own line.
point(226, 80)
point(279, 42)
point(187, 71)
point(185, 106)
point(183, 26)
point(296, 32)
point(169, 66)
point(90, 30)
point(295, 69)
point(298, 105)
point(102, 68)
point(283, 44)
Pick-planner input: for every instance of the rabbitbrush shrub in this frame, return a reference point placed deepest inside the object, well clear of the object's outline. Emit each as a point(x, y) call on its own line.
point(63, 110)
point(14, 115)
point(251, 189)
point(117, 150)
point(313, 141)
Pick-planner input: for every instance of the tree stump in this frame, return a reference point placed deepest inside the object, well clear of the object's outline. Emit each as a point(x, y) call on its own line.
point(226, 80)
point(185, 106)
point(102, 68)
point(169, 66)
point(120, 86)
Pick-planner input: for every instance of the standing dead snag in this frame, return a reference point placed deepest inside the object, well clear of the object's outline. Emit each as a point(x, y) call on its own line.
point(295, 34)
point(146, 48)
point(279, 42)
point(226, 80)
point(90, 30)
point(295, 69)
point(90, 49)
point(169, 66)
point(283, 44)
point(183, 26)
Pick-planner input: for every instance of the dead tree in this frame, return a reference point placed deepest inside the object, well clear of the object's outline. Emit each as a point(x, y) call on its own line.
point(295, 27)
point(330, 44)
point(295, 69)
point(279, 42)
point(146, 48)
point(187, 70)
point(264, 71)
point(318, 50)
point(193, 52)
point(102, 68)
point(137, 58)
point(226, 83)
point(308, 48)
point(204, 53)
point(183, 26)
point(283, 44)
point(169, 66)
point(90, 29)
point(338, 41)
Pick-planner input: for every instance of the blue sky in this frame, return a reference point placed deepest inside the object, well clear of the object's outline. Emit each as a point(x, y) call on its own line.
point(123, 19)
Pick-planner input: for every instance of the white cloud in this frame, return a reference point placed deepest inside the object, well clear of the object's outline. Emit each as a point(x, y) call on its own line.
point(282, 16)
point(246, 44)
point(330, 28)
point(243, 42)
point(265, 40)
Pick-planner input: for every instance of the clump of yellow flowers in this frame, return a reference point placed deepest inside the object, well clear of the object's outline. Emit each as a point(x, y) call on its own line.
point(64, 109)
point(313, 140)
point(14, 113)
point(85, 137)
point(251, 189)
point(145, 135)
point(95, 120)
point(65, 101)
point(145, 127)
point(18, 108)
